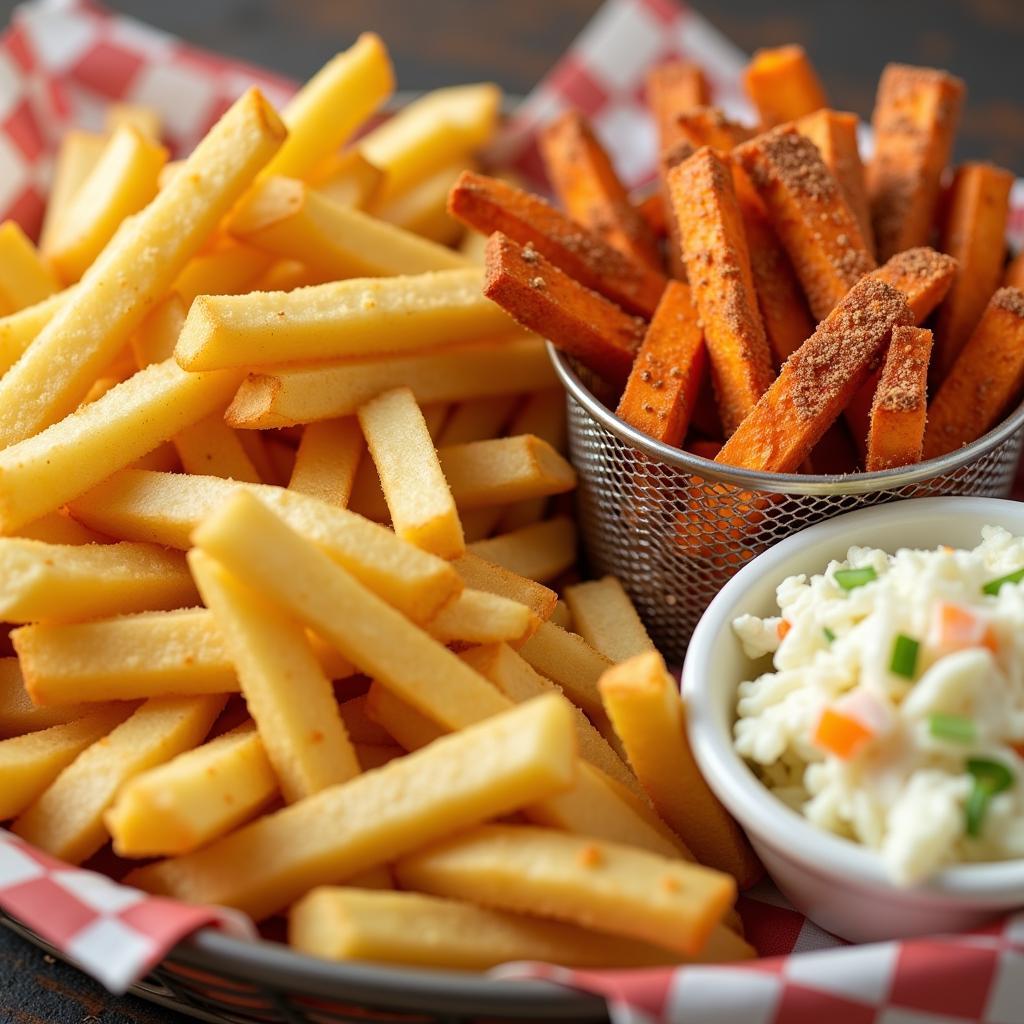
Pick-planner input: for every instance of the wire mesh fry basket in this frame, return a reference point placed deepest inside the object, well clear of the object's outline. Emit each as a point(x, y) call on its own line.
point(674, 527)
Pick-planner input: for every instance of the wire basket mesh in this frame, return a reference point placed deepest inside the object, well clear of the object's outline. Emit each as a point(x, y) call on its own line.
point(674, 527)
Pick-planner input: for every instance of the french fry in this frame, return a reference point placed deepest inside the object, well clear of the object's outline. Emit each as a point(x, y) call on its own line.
point(718, 267)
point(673, 88)
point(41, 473)
point(591, 193)
point(816, 227)
point(145, 120)
point(59, 528)
point(540, 552)
point(914, 124)
point(561, 616)
point(476, 617)
point(346, 178)
point(420, 501)
point(835, 135)
point(818, 380)
point(371, 756)
point(24, 278)
point(286, 276)
point(544, 299)
point(122, 182)
point(228, 268)
point(480, 574)
point(360, 317)
point(66, 819)
point(258, 547)
point(423, 209)
point(490, 769)
point(285, 397)
point(67, 583)
point(19, 330)
point(211, 447)
point(327, 459)
point(411, 729)
point(353, 924)
point(505, 469)
point(987, 375)
point(489, 205)
point(668, 371)
point(1012, 278)
point(90, 329)
point(76, 157)
point(30, 763)
point(604, 616)
point(194, 798)
point(478, 419)
point(974, 234)
point(900, 407)
point(600, 885)
point(287, 218)
point(642, 700)
point(361, 728)
point(437, 129)
point(164, 508)
point(155, 339)
point(286, 691)
point(783, 85)
point(332, 105)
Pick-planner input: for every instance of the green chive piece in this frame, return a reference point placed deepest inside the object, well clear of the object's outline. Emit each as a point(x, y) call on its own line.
point(993, 586)
point(850, 579)
point(829, 635)
point(990, 778)
point(955, 728)
point(904, 656)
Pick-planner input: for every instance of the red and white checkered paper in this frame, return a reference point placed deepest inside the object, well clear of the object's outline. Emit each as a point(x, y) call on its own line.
point(61, 63)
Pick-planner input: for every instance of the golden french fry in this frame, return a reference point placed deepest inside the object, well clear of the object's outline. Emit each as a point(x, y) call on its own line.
point(420, 502)
point(478, 419)
point(211, 447)
point(122, 181)
point(477, 617)
point(59, 528)
point(604, 616)
point(142, 118)
point(561, 616)
point(64, 582)
point(360, 317)
point(18, 330)
point(376, 755)
point(490, 769)
point(24, 278)
point(361, 728)
point(285, 397)
point(347, 178)
point(226, 269)
point(41, 473)
point(154, 341)
point(66, 819)
point(135, 270)
point(327, 459)
point(600, 885)
point(165, 508)
point(194, 798)
point(423, 208)
point(28, 764)
point(287, 692)
point(76, 157)
point(541, 551)
point(409, 728)
point(480, 574)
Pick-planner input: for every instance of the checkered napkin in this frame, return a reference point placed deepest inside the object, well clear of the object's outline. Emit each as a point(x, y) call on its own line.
point(61, 63)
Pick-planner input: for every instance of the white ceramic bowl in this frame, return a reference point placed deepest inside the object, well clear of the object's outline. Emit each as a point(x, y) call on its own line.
point(839, 884)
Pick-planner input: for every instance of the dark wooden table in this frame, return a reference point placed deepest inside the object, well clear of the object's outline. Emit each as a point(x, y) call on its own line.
point(513, 43)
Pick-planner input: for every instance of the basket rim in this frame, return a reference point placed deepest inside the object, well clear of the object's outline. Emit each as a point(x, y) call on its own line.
point(780, 483)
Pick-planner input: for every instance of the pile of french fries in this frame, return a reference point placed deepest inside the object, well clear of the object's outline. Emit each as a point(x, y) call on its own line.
point(280, 503)
point(772, 262)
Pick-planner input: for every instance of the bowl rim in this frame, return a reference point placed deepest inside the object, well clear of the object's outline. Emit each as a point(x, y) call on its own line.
point(776, 483)
point(748, 799)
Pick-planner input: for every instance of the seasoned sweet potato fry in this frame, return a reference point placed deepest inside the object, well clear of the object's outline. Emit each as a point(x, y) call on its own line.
point(718, 268)
point(673, 88)
point(585, 182)
point(708, 126)
point(783, 85)
point(914, 123)
point(545, 299)
point(489, 205)
point(818, 380)
point(986, 377)
point(834, 132)
point(668, 371)
point(900, 407)
point(1014, 274)
point(974, 233)
point(809, 215)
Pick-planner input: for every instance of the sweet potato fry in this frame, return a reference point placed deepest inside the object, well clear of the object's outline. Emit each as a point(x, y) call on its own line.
point(718, 268)
point(986, 377)
point(708, 126)
point(974, 233)
point(818, 380)
point(545, 299)
point(914, 123)
point(585, 182)
point(1013, 277)
point(835, 134)
point(668, 371)
point(812, 220)
point(783, 85)
point(652, 208)
point(673, 88)
point(900, 406)
point(490, 205)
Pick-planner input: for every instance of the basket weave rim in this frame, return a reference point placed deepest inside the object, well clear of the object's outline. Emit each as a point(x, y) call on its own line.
point(780, 483)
